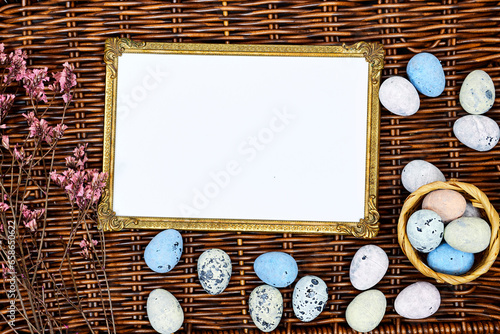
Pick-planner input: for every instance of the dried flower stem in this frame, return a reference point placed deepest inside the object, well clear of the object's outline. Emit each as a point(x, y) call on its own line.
point(29, 178)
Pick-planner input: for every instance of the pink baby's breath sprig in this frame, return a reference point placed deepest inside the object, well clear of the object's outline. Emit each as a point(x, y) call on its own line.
point(83, 186)
point(6, 101)
point(5, 271)
point(30, 217)
point(34, 83)
point(40, 129)
point(3, 56)
point(21, 157)
point(16, 66)
point(4, 207)
point(5, 142)
point(87, 247)
point(65, 81)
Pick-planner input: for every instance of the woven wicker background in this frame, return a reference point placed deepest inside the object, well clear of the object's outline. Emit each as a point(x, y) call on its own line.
point(464, 35)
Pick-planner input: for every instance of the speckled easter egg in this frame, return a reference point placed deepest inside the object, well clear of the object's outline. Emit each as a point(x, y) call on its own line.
point(477, 94)
point(425, 230)
point(399, 96)
point(265, 306)
point(477, 132)
point(368, 266)
point(468, 234)
point(365, 312)
point(164, 251)
point(164, 311)
point(309, 298)
point(214, 270)
point(418, 301)
point(277, 269)
point(448, 260)
point(448, 204)
point(426, 74)
point(418, 173)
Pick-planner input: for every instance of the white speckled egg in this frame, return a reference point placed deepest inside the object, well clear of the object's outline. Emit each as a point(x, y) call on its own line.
point(214, 270)
point(478, 132)
point(468, 234)
point(368, 266)
point(309, 298)
point(164, 311)
point(265, 306)
point(399, 96)
point(418, 173)
point(425, 230)
point(418, 301)
point(366, 311)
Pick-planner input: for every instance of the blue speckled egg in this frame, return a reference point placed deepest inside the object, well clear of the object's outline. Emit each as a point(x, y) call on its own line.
point(425, 230)
point(277, 269)
point(265, 306)
point(164, 251)
point(426, 74)
point(309, 298)
point(448, 260)
point(214, 270)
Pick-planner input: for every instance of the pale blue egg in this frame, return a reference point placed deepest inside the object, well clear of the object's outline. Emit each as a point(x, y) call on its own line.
point(448, 260)
point(164, 251)
point(426, 74)
point(277, 269)
point(425, 230)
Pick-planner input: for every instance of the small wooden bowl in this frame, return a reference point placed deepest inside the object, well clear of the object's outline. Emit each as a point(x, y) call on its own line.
point(480, 201)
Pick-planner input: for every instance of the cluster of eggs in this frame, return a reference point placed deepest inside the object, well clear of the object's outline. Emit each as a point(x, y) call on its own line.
point(447, 233)
point(365, 312)
point(265, 304)
point(426, 75)
point(447, 227)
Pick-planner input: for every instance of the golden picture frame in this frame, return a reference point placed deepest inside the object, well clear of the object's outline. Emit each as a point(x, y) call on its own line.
point(260, 138)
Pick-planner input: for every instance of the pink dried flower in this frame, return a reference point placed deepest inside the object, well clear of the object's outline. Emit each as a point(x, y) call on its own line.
point(65, 80)
point(3, 56)
point(59, 131)
point(20, 156)
point(4, 207)
point(16, 65)
point(5, 142)
point(34, 84)
point(39, 129)
point(87, 246)
point(29, 217)
point(5, 271)
point(83, 186)
point(6, 101)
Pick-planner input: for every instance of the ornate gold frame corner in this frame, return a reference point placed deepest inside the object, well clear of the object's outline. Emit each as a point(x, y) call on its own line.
point(366, 227)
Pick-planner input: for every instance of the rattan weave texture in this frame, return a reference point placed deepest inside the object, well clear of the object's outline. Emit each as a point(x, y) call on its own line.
point(464, 35)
